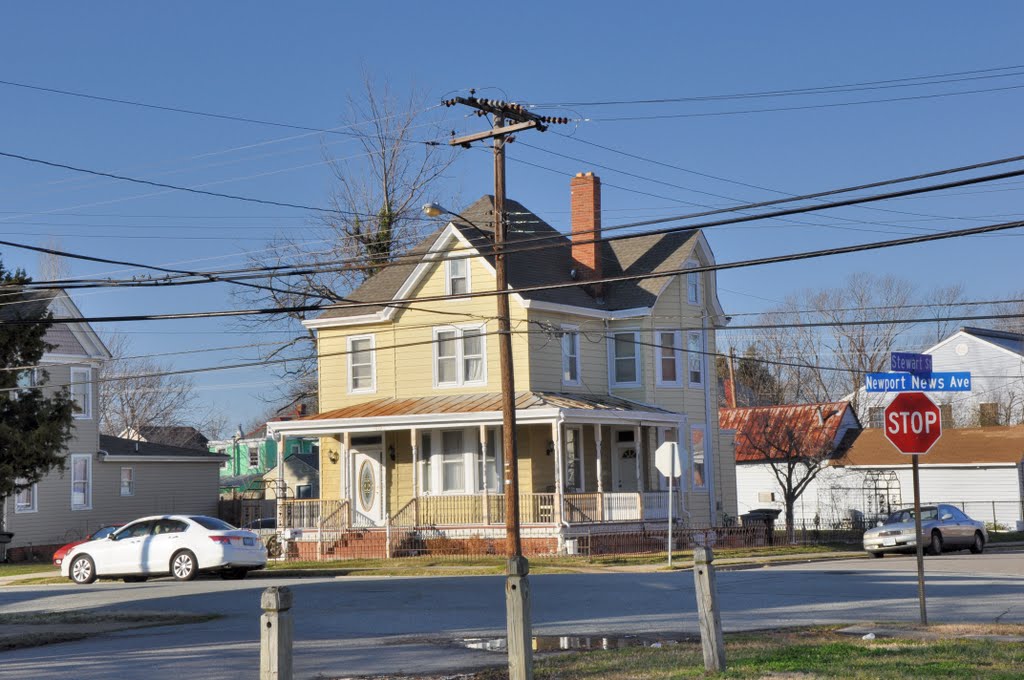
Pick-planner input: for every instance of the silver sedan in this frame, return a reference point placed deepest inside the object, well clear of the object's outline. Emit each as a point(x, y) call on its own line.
point(943, 527)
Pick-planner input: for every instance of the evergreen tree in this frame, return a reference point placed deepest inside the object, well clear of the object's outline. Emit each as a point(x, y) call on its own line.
point(35, 424)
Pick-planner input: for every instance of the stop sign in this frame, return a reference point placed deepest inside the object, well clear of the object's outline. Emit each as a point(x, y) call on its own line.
point(913, 423)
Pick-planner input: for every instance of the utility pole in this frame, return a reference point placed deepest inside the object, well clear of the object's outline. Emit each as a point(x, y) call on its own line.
point(517, 585)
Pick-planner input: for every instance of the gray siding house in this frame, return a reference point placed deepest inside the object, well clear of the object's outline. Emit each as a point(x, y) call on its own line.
point(106, 479)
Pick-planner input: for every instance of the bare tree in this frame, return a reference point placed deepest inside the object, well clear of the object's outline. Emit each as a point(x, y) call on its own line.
point(1015, 323)
point(948, 310)
point(376, 197)
point(131, 397)
point(795, 454)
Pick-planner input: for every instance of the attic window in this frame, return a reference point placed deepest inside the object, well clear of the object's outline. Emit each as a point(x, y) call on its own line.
point(456, 277)
point(692, 284)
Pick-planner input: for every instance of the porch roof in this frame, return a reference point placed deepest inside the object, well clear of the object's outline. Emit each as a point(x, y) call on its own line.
point(400, 413)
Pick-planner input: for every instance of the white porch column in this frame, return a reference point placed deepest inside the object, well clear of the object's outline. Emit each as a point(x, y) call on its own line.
point(556, 438)
point(597, 446)
point(414, 445)
point(482, 448)
point(346, 461)
point(638, 444)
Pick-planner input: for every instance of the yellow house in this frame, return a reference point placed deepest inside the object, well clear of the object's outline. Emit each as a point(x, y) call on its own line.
point(604, 372)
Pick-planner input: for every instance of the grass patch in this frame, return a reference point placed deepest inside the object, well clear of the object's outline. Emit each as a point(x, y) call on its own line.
point(18, 568)
point(469, 565)
point(800, 653)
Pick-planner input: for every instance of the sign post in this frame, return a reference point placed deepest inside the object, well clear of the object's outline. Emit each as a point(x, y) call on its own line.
point(666, 459)
point(913, 423)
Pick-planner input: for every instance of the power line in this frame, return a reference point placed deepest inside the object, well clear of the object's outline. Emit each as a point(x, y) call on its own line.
point(820, 89)
point(399, 302)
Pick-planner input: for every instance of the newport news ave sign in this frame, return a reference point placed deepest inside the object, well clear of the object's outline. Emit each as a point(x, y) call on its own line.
point(959, 381)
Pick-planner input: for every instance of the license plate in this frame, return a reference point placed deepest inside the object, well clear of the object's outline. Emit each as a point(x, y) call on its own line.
point(888, 541)
point(248, 541)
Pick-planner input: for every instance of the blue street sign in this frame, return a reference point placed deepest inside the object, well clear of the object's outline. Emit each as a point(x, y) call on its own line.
point(918, 364)
point(908, 382)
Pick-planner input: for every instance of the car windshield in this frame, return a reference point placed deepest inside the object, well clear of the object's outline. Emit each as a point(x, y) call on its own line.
point(907, 516)
point(103, 533)
point(212, 523)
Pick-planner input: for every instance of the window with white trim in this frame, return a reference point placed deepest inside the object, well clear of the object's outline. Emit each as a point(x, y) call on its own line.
point(460, 356)
point(81, 391)
point(81, 481)
point(625, 358)
point(573, 460)
point(453, 461)
point(361, 370)
point(695, 358)
point(570, 355)
point(692, 284)
point(456, 276)
point(127, 481)
point(26, 381)
point(698, 451)
point(670, 358)
point(25, 498)
point(254, 455)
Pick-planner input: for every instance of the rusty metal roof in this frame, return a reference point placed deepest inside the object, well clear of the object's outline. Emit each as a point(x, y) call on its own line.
point(811, 426)
point(479, 403)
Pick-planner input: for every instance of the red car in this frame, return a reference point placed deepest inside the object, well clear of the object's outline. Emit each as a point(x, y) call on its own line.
point(102, 532)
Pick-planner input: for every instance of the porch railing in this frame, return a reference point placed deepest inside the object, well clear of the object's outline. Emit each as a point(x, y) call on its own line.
point(318, 514)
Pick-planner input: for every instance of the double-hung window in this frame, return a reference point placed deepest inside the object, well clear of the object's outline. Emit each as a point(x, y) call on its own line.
point(570, 356)
point(26, 381)
point(453, 461)
point(25, 498)
point(460, 356)
point(670, 358)
point(456, 276)
point(81, 392)
point(361, 369)
point(692, 285)
point(81, 481)
point(254, 455)
point(127, 481)
point(698, 451)
point(625, 359)
point(695, 358)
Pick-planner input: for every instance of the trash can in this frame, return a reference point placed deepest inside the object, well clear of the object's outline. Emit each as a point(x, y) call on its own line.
point(762, 517)
point(5, 538)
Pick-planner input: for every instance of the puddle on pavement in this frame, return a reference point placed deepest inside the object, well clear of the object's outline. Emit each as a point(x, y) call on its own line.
point(563, 643)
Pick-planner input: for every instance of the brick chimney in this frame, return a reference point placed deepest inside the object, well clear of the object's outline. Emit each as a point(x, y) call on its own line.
point(585, 190)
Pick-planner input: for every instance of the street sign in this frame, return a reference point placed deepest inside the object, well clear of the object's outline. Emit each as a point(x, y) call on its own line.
point(913, 423)
point(666, 459)
point(959, 381)
point(918, 364)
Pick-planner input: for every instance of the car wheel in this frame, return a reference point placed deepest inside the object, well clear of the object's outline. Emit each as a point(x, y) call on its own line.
point(233, 574)
point(876, 554)
point(935, 546)
point(83, 571)
point(184, 566)
point(978, 546)
point(135, 579)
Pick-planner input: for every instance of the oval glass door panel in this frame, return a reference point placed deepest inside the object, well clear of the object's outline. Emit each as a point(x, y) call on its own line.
point(367, 486)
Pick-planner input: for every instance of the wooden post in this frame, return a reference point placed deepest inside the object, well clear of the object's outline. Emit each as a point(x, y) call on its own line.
point(711, 638)
point(276, 634)
point(517, 610)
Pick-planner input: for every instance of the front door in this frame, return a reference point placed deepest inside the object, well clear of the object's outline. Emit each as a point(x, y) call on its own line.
point(624, 472)
point(369, 487)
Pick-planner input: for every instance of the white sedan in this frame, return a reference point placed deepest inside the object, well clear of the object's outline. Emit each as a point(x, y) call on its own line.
point(179, 545)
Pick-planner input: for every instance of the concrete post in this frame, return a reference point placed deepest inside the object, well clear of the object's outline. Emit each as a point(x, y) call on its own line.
point(276, 634)
point(517, 609)
point(711, 638)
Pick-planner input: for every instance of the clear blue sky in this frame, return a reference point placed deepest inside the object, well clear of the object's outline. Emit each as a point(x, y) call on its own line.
point(296, 63)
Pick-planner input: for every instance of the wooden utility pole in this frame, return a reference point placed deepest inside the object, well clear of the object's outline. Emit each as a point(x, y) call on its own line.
point(517, 585)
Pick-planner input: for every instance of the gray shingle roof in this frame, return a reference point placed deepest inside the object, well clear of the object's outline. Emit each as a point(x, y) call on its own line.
point(544, 266)
point(33, 304)
point(116, 446)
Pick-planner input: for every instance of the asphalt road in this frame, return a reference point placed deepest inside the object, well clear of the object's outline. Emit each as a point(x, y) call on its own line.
point(352, 626)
